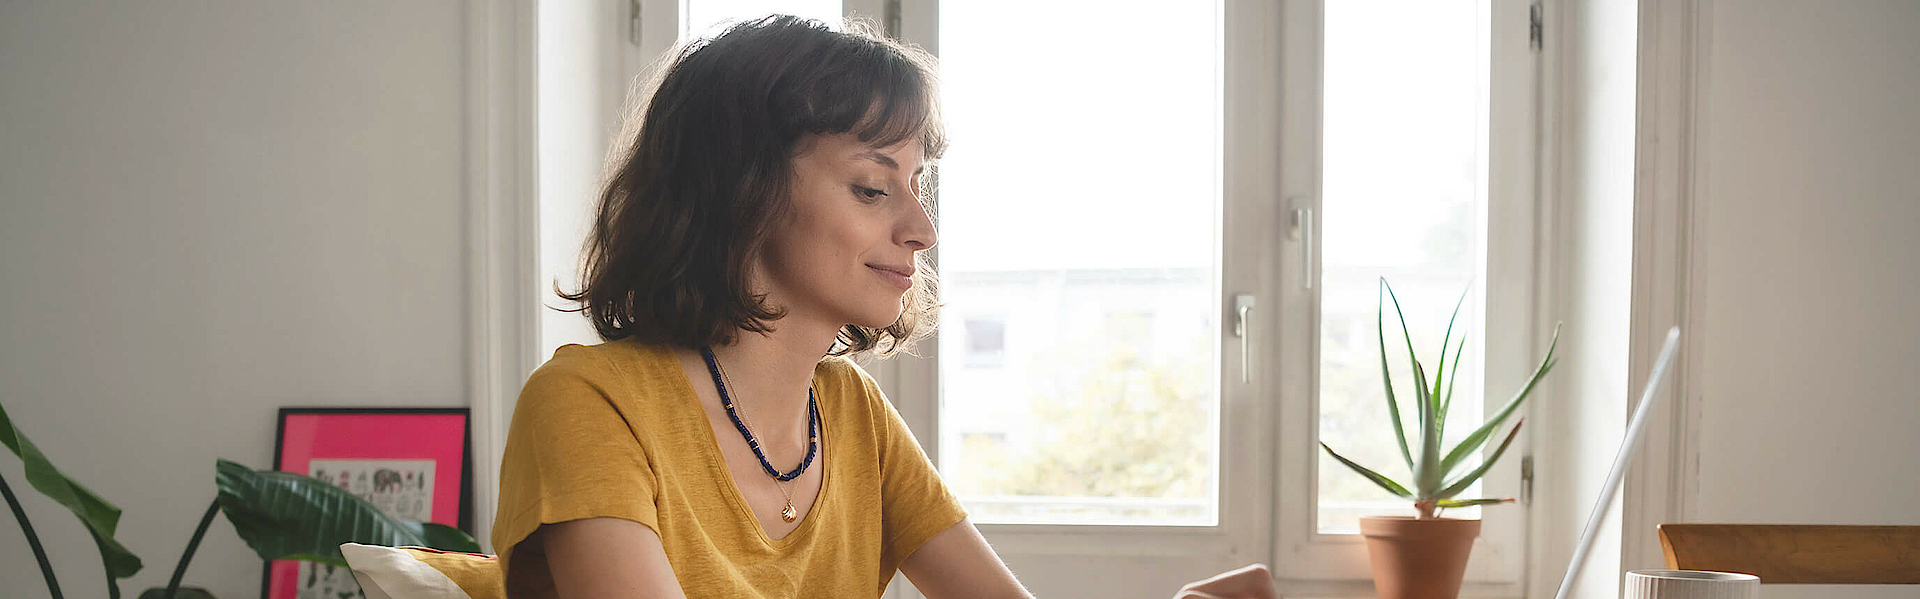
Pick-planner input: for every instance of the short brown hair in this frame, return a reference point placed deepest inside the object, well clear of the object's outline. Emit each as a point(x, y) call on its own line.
point(709, 172)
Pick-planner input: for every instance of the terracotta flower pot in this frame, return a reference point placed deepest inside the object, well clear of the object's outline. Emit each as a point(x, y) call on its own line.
point(1418, 559)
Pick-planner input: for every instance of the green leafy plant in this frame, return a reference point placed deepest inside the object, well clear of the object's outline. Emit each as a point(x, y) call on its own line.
point(1437, 476)
point(281, 515)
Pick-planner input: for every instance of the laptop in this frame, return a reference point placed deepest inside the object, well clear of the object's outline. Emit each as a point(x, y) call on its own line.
point(1612, 487)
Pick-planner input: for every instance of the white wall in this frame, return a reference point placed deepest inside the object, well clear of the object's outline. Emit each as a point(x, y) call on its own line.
point(212, 210)
point(1808, 185)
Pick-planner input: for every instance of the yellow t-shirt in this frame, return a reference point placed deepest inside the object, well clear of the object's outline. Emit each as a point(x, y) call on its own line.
point(615, 430)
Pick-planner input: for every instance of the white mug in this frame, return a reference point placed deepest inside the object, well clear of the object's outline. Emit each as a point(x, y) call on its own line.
point(1690, 584)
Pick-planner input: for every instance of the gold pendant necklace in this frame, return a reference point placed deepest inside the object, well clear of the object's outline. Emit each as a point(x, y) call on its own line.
point(789, 513)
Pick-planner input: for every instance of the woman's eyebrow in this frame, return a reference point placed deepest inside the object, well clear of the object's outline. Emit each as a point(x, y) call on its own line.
point(885, 160)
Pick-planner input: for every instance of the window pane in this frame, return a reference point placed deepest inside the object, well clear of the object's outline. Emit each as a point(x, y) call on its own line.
point(1078, 256)
point(1403, 195)
point(708, 17)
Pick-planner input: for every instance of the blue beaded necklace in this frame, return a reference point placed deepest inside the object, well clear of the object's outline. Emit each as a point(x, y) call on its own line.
point(813, 425)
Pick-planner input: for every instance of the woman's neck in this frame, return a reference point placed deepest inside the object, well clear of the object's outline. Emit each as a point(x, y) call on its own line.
point(769, 374)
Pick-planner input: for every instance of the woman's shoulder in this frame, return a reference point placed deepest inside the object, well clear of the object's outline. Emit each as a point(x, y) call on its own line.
point(846, 377)
point(852, 394)
point(616, 366)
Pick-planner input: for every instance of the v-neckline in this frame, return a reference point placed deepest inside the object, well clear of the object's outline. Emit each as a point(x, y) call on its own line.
point(717, 460)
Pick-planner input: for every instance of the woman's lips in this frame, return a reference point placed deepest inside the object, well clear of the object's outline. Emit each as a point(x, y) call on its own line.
point(899, 279)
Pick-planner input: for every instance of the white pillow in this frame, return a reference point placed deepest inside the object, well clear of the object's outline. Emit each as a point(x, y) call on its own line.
point(392, 573)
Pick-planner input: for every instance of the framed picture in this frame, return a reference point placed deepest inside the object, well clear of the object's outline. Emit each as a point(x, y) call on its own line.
point(413, 463)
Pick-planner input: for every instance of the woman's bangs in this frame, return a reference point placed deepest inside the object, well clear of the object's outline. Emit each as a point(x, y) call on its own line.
point(894, 105)
point(903, 117)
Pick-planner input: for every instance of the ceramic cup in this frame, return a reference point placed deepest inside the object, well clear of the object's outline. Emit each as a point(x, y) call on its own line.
point(1690, 584)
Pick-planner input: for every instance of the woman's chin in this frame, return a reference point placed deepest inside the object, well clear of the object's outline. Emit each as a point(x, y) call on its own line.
point(876, 323)
point(879, 314)
point(877, 319)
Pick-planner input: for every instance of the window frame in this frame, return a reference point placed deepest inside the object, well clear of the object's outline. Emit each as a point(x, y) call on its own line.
point(912, 382)
point(1267, 443)
point(1512, 285)
point(1255, 207)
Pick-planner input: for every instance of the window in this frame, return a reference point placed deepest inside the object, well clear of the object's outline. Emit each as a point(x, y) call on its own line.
point(1107, 421)
point(1423, 160)
point(1422, 117)
point(986, 342)
point(1100, 193)
point(1120, 182)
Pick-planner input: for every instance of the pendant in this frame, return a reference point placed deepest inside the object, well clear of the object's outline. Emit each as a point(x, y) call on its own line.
point(789, 514)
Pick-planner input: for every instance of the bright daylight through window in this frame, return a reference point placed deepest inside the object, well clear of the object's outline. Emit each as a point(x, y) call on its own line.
point(1405, 135)
point(1079, 263)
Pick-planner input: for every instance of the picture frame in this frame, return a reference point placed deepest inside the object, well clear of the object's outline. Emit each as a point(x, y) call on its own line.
point(414, 463)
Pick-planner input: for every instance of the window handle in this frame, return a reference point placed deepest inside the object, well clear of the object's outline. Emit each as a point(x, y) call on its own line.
point(1242, 304)
point(1301, 230)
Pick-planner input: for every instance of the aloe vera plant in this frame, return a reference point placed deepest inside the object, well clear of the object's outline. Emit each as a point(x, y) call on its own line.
point(1437, 475)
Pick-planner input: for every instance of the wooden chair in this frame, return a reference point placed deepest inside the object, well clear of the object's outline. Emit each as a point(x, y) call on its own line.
point(1797, 553)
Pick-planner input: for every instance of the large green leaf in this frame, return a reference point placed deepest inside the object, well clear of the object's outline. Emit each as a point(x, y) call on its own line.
point(1393, 405)
point(1471, 502)
point(1458, 485)
point(1446, 341)
point(283, 515)
point(441, 536)
point(180, 593)
point(1442, 401)
point(1377, 478)
point(1425, 408)
point(99, 516)
point(1446, 403)
point(1479, 436)
point(1426, 467)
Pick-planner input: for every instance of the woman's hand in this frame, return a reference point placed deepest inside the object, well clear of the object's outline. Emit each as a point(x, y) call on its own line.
point(1251, 582)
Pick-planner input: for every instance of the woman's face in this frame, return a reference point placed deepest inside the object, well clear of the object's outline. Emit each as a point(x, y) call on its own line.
point(846, 253)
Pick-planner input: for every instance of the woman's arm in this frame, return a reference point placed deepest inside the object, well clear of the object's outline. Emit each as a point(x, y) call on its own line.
point(1248, 582)
point(606, 558)
point(959, 563)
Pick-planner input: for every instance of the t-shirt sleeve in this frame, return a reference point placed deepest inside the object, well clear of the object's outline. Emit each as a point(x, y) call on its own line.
point(571, 453)
point(915, 503)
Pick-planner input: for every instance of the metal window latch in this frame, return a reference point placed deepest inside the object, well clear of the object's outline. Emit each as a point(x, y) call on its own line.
point(1242, 304)
point(1536, 29)
point(891, 19)
point(1301, 229)
point(633, 22)
point(1526, 480)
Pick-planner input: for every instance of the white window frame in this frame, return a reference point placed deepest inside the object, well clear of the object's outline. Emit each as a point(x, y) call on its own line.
point(1268, 451)
point(1511, 286)
point(1248, 212)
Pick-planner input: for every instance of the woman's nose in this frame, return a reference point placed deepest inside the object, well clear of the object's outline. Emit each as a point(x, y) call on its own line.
point(918, 232)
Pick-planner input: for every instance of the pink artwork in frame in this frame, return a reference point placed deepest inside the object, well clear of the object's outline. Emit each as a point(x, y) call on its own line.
point(412, 463)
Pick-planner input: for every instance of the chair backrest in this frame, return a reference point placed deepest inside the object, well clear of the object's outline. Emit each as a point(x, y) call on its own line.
point(1797, 553)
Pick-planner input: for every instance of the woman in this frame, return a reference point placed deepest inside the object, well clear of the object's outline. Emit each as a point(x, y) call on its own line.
point(767, 221)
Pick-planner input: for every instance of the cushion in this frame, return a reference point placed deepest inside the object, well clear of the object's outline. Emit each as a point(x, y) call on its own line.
point(424, 573)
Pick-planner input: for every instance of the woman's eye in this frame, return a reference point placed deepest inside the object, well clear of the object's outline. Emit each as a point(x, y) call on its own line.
point(869, 193)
